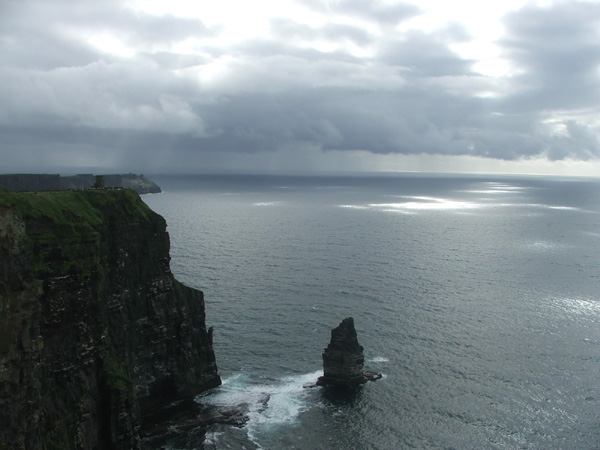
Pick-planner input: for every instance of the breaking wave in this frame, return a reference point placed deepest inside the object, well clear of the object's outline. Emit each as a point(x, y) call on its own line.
point(270, 403)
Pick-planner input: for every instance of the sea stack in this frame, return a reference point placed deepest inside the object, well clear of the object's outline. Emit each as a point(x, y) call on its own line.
point(343, 359)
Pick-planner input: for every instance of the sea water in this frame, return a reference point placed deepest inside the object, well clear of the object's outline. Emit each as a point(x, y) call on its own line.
point(477, 297)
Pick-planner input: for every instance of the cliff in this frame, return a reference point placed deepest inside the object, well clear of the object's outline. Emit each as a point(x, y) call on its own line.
point(96, 335)
point(48, 182)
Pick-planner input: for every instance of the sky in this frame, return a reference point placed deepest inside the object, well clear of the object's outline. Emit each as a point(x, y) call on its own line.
point(300, 86)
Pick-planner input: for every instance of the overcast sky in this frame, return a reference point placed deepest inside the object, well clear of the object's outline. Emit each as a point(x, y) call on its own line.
point(299, 86)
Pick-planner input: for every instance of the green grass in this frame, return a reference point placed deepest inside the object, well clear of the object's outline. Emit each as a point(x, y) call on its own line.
point(73, 208)
point(65, 227)
point(116, 376)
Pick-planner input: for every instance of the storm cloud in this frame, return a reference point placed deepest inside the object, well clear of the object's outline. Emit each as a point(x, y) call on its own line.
point(103, 84)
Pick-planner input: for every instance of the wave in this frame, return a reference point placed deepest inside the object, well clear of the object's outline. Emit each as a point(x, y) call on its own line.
point(212, 438)
point(270, 404)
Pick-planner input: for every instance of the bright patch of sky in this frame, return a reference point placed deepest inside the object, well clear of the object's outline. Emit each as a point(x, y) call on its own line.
point(238, 21)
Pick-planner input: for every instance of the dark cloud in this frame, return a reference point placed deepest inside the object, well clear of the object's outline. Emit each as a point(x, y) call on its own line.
point(66, 101)
point(174, 61)
point(578, 141)
point(557, 51)
point(424, 55)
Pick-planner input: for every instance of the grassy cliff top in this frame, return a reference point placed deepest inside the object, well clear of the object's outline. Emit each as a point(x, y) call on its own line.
point(65, 227)
point(79, 209)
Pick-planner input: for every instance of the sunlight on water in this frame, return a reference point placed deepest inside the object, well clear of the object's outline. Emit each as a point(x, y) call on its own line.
point(426, 203)
point(542, 246)
point(267, 203)
point(544, 206)
point(563, 208)
point(505, 186)
point(581, 306)
point(354, 206)
point(496, 188)
point(490, 191)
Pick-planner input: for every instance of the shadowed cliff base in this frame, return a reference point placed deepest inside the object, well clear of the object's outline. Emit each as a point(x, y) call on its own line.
point(96, 335)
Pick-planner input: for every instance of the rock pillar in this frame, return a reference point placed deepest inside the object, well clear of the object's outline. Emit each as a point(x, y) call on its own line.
point(343, 358)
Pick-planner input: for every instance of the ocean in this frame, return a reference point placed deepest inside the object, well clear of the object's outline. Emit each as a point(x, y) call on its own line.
point(476, 297)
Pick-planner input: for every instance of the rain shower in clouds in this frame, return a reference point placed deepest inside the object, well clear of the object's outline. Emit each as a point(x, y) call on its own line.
point(300, 85)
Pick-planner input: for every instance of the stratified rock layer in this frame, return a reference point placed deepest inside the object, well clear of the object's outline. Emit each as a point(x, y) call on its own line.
point(96, 335)
point(343, 358)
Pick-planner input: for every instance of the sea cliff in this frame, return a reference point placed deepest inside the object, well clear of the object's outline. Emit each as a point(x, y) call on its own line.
point(96, 335)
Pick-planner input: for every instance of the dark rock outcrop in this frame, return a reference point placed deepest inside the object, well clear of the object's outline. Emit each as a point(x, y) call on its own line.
point(343, 359)
point(96, 335)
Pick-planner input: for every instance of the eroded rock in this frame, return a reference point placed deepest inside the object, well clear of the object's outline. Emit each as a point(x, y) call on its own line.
point(343, 359)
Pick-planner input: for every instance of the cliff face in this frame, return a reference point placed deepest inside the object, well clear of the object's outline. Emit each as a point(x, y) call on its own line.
point(96, 335)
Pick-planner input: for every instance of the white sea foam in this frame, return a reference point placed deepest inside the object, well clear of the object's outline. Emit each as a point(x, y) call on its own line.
point(270, 405)
point(212, 438)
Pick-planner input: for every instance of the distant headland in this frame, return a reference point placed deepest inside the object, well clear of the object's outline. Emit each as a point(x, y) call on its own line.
point(55, 182)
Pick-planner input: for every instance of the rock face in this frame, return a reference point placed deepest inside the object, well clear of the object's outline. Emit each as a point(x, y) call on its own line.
point(96, 335)
point(343, 359)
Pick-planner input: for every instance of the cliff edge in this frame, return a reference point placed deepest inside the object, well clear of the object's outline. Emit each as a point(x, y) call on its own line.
point(96, 335)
